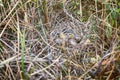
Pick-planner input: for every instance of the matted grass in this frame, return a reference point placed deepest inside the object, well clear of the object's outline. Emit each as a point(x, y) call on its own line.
point(59, 39)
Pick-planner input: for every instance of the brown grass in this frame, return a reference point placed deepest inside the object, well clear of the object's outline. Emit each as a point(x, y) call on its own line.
point(64, 40)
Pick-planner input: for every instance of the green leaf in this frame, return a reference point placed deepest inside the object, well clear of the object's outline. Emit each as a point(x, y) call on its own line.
point(0, 47)
point(35, 1)
point(78, 12)
point(108, 31)
point(77, 3)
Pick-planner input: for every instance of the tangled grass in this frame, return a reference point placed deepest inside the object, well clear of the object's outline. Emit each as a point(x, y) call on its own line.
point(59, 40)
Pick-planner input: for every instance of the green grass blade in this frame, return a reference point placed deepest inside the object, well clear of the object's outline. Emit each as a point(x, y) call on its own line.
point(23, 48)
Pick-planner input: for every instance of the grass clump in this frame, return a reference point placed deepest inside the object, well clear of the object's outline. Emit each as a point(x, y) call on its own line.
point(59, 40)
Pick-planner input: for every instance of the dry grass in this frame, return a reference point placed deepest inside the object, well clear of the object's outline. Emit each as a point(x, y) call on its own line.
point(59, 39)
